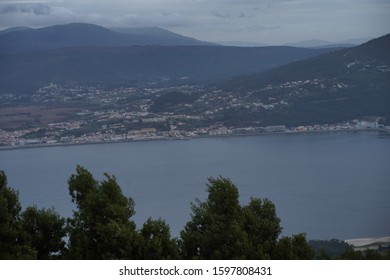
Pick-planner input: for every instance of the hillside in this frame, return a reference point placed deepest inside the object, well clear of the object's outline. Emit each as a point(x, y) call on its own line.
point(20, 40)
point(345, 84)
point(161, 37)
point(23, 73)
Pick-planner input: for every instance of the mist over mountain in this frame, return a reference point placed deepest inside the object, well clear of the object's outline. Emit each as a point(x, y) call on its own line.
point(19, 40)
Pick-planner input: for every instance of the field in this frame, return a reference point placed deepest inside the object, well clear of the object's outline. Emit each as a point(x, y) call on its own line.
point(20, 117)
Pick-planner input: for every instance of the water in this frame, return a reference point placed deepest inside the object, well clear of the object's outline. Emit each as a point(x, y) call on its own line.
point(327, 185)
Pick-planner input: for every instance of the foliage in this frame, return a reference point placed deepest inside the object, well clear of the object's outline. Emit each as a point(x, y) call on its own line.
point(221, 229)
point(293, 248)
point(46, 230)
point(329, 249)
point(101, 227)
point(13, 240)
point(168, 101)
point(351, 254)
point(157, 243)
point(262, 226)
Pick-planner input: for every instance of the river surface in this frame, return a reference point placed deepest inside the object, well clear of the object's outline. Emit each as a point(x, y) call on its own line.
point(326, 185)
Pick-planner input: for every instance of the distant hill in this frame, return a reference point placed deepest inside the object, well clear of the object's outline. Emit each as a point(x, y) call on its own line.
point(25, 72)
point(13, 29)
point(327, 44)
point(162, 37)
point(242, 44)
point(302, 44)
point(18, 40)
point(341, 85)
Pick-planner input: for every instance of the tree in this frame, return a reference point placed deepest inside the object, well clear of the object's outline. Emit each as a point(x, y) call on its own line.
point(157, 243)
point(46, 230)
point(262, 226)
point(293, 248)
point(322, 255)
point(370, 254)
point(283, 249)
point(13, 240)
point(221, 229)
point(328, 249)
point(216, 229)
point(351, 254)
point(101, 227)
point(301, 247)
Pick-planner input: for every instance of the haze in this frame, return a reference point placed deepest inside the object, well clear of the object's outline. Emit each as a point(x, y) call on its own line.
point(257, 21)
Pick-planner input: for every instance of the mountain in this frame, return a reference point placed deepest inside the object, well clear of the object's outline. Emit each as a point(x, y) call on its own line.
point(341, 85)
point(326, 44)
point(26, 72)
point(303, 44)
point(161, 37)
point(13, 29)
point(242, 44)
point(22, 40)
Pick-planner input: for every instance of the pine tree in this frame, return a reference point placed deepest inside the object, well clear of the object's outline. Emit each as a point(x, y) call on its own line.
point(101, 227)
point(13, 240)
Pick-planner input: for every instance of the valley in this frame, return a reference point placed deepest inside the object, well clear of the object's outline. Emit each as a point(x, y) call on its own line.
point(91, 90)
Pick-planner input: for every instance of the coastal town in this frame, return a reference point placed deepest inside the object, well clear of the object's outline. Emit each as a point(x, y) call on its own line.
point(17, 139)
point(59, 115)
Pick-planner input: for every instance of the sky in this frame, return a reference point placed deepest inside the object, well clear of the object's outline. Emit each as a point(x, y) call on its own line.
point(260, 21)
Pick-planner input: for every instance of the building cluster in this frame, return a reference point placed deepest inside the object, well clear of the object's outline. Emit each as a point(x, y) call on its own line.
point(17, 138)
point(131, 114)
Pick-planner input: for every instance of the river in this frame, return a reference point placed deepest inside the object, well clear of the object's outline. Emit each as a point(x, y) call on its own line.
point(326, 185)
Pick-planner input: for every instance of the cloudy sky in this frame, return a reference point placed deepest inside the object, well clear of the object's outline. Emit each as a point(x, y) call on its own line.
point(265, 21)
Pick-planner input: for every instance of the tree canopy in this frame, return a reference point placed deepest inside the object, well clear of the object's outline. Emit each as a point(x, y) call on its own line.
point(101, 227)
point(157, 243)
point(46, 230)
point(221, 228)
point(13, 240)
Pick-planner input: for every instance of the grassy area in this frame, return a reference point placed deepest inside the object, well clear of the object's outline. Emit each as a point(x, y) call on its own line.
point(19, 117)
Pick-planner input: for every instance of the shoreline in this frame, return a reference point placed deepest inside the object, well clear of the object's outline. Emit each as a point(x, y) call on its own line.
point(288, 132)
point(369, 243)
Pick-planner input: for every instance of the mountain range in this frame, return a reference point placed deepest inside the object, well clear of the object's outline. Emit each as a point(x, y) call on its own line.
point(313, 84)
point(24, 39)
point(341, 85)
point(327, 44)
point(302, 44)
point(84, 54)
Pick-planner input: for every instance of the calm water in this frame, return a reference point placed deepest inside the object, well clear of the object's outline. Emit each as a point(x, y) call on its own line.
point(327, 185)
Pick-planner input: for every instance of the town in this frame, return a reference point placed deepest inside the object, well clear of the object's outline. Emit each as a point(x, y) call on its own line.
point(62, 115)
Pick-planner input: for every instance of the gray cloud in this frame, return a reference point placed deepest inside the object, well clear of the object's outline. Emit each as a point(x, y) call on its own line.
point(25, 8)
point(218, 20)
point(229, 15)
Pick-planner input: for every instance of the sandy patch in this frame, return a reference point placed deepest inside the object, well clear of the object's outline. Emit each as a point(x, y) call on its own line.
point(368, 241)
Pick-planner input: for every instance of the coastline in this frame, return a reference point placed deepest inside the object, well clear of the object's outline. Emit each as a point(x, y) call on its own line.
point(374, 243)
point(247, 159)
point(182, 138)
